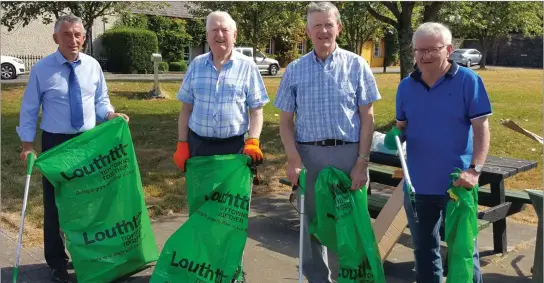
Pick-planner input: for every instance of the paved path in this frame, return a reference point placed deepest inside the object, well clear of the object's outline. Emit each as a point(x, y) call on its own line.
point(271, 253)
point(164, 77)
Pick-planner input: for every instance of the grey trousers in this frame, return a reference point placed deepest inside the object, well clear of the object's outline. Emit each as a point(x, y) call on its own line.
point(315, 158)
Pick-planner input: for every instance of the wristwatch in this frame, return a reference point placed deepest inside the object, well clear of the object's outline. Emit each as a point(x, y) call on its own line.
point(477, 168)
point(365, 157)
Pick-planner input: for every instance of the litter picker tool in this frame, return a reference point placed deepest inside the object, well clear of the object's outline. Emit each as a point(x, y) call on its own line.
point(409, 188)
point(29, 164)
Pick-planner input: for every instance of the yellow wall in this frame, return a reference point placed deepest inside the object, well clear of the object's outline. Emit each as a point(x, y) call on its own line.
point(367, 52)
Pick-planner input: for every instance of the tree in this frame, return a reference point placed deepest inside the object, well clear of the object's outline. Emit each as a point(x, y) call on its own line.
point(257, 22)
point(22, 13)
point(358, 26)
point(487, 21)
point(400, 15)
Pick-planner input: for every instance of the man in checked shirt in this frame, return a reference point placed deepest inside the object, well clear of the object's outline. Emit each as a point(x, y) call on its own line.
point(330, 91)
point(218, 90)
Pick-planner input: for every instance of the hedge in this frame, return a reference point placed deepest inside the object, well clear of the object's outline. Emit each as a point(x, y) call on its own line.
point(178, 66)
point(129, 50)
point(163, 67)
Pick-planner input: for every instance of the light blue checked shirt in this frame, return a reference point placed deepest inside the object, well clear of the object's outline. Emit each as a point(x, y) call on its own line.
point(47, 88)
point(325, 96)
point(221, 100)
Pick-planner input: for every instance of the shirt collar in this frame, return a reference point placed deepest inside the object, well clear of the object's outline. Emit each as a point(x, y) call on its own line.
point(331, 56)
point(63, 60)
point(233, 56)
point(416, 74)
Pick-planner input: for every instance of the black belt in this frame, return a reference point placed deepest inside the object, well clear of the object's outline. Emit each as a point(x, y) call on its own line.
point(329, 142)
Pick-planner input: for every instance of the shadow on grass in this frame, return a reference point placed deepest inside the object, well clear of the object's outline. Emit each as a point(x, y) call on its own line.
point(155, 139)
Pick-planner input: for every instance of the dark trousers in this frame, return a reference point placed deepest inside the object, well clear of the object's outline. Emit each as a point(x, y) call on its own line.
point(55, 254)
point(204, 146)
point(431, 210)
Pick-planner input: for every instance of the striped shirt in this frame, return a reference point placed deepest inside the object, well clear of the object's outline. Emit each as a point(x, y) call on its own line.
point(325, 96)
point(221, 100)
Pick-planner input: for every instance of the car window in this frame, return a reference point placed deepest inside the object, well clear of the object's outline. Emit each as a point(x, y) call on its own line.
point(259, 54)
point(458, 52)
point(247, 53)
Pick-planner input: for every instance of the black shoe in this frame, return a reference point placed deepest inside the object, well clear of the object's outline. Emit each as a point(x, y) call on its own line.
point(60, 276)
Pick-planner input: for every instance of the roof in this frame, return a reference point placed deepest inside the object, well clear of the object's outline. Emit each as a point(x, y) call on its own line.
point(175, 9)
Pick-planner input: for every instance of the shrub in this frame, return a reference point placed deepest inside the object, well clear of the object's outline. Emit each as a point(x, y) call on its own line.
point(178, 66)
point(163, 67)
point(129, 50)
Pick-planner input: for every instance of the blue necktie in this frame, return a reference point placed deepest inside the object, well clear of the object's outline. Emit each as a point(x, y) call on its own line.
point(76, 103)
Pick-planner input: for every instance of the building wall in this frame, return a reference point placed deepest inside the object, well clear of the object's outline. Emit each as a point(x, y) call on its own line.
point(36, 39)
point(367, 52)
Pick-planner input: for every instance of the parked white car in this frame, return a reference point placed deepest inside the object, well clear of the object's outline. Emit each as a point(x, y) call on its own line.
point(269, 65)
point(12, 67)
point(467, 57)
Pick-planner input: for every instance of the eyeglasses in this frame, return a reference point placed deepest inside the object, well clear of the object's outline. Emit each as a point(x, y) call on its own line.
point(431, 51)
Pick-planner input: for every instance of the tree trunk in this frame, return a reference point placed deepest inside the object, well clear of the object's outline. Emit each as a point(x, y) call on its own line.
point(255, 30)
point(484, 43)
point(405, 52)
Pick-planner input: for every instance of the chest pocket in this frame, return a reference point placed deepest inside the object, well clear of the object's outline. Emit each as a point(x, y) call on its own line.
point(346, 93)
point(232, 93)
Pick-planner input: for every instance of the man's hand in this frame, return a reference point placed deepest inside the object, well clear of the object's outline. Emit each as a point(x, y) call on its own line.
point(294, 166)
point(468, 179)
point(252, 149)
point(112, 115)
point(27, 149)
point(181, 155)
point(389, 140)
point(359, 175)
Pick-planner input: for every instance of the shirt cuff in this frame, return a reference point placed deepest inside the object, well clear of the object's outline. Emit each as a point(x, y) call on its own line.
point(26, 135)
point(102, 113)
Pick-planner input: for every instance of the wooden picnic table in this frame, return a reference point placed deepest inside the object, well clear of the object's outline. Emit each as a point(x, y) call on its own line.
point(495, 171)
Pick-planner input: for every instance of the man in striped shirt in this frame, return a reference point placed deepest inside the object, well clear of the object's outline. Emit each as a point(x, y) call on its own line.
point(223, 95)
point(330, 91)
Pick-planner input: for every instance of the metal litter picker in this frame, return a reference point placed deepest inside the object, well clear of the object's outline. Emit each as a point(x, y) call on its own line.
point(29, 164)
point(302, 187)
point(409, 188)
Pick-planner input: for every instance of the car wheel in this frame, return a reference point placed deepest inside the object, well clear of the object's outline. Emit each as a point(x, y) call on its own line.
point(469, 63)
point(8, 72)
point(273, 70)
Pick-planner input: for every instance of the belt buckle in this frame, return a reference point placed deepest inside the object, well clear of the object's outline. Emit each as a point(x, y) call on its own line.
point(323, 142)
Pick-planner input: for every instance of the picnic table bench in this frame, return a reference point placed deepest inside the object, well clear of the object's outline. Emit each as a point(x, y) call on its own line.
point(501, 202)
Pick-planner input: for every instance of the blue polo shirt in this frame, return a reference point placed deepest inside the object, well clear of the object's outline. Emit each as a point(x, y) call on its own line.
point(439, 130)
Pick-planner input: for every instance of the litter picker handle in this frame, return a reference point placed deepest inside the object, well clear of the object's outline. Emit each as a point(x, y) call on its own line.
point(403, 163)
point(30, 158)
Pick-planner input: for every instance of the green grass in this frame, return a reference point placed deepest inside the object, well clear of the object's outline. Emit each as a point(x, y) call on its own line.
point(515, 94)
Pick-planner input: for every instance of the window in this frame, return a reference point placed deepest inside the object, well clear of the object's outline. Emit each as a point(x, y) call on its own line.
point(259, 54)
point(187, 54)
point(301, 49)
point(247, 52)
point(377, 50)
point(268, 49)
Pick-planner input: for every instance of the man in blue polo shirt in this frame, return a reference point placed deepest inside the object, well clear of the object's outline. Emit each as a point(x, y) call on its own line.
point(442, 109)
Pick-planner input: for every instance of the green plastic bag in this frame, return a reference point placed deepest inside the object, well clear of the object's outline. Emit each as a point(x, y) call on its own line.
point(461, 231)
point(99, 196)
point(343, 225)
point(209, 246)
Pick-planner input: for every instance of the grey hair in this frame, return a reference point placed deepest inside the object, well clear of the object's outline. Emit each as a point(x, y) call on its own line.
point(70, 19)
point(324, 7)
point(433, 29)
point(223, 15)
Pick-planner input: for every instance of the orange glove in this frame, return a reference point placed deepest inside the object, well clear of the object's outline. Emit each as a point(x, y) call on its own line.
point(181, 155)
point(252, 149)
